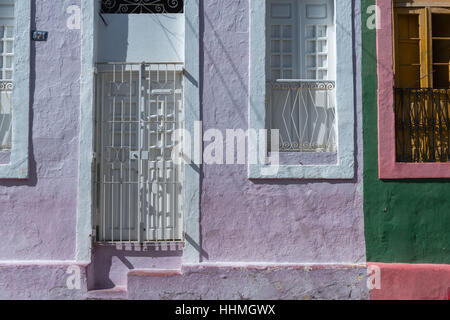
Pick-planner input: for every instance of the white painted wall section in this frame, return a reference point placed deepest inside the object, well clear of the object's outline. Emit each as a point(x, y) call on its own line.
point(141, 37)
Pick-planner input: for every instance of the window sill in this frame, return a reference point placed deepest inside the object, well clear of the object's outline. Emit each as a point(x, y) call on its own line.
point(307, 158)
point(14, 169)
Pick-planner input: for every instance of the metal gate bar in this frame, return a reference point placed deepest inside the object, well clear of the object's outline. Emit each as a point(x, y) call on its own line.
point(139, 188)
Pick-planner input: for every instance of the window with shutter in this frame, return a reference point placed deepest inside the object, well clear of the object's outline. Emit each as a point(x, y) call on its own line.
point(301, 74)
point(422, 80)
point(300, 84)
point(413, 57)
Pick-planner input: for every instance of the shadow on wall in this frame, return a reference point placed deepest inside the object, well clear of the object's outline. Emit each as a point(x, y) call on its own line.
point(140, 38)
point(228, 72)
point(112, 38)
point(111, 264)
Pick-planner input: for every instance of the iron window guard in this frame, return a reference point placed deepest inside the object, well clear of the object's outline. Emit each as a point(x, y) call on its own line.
point(422, 125)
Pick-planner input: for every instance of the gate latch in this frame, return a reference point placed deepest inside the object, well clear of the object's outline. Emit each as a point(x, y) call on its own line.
point(140, 155)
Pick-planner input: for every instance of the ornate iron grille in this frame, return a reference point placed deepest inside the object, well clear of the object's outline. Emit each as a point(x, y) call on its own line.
point(304, 112)
point(422, 125)
point(142, 6)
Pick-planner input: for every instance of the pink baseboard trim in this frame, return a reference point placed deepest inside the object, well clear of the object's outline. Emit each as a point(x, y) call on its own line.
point(388, 167)
point(412, 282)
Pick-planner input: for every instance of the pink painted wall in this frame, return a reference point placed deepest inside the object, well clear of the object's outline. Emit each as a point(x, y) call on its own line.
point(275, 221)
point(38, 216)
point(412, 282)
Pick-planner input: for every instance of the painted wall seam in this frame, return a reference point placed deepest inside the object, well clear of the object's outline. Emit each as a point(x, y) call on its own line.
point(85, 185)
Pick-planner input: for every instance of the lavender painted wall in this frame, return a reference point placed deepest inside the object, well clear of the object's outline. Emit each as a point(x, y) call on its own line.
point(265, 221)
point(38, 215)
point(242, 221)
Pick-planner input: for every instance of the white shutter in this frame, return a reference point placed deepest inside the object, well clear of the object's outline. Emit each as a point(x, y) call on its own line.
point(283, 50)
point(300, 39)
point(317, 39)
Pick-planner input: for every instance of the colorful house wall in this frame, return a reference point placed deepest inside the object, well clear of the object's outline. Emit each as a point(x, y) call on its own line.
point(301, 239)
point(406, 221)
point(247, 238)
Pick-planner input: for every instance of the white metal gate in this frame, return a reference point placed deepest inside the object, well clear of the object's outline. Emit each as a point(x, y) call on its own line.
point(139, 188)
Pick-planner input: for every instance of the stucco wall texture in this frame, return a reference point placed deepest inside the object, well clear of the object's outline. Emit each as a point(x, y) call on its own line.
point(271, 221)
point(242, 221)
point(38, 215)
point(406, 221)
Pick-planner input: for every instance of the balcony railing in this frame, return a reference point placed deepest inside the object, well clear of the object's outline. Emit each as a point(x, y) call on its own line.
point(5, 114)
point(422, 125)
point(305, 114)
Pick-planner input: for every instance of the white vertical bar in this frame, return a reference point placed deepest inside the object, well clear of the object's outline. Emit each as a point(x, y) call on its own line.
point(157, 198)
point(102, 164)
point(163, 152)
point(130, 126)
point(174, 170)
point(113, 123)
point(121, 188)
point(147, 147)
point(140, 132)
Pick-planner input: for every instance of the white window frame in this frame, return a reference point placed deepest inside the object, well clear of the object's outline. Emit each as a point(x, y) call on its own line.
point(17, 168)
point(84, 232)
point(345, 100)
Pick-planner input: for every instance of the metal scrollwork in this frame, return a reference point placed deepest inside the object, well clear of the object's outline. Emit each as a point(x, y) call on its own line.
point(6, 86)
point(142, 6)
point(324, 85)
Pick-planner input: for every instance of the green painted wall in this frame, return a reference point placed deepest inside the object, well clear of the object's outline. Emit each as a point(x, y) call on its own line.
point(405, 221)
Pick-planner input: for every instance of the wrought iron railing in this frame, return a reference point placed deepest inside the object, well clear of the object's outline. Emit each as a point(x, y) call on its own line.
point(422, 125)
point(304, 112)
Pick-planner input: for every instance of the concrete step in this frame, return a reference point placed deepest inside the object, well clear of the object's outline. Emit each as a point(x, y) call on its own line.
point(249, 282)
point(117, 293)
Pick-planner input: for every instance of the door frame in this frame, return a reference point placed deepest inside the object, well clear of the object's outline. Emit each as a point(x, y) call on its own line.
point(85, 211)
